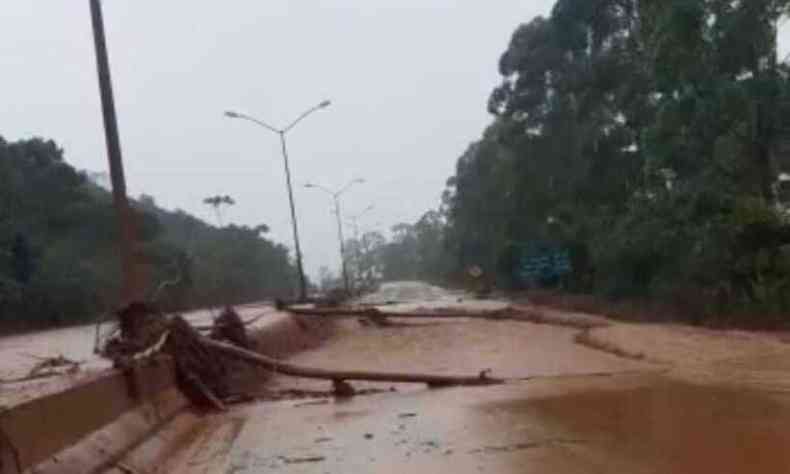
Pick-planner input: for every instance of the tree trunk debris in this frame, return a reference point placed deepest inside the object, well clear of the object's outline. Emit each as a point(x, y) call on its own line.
point(293, 370)
point(229, 327)
point(377, 314)
point(204, 364)
point(203, 372)
point(249, 322)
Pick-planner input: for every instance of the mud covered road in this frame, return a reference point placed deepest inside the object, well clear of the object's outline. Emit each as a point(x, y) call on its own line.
point(630, 399)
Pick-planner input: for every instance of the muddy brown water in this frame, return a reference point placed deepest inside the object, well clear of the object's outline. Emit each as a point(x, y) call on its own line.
point(699, 402)
point(637, 419)
point(712, 403)
point(624, 424)
point(669, 427)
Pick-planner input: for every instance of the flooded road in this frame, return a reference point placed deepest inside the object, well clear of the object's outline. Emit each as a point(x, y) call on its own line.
point(669, 426)
point(625, 424)
point(696, 401)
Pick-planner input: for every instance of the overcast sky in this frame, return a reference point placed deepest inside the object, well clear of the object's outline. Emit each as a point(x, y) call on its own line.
point(409, 81)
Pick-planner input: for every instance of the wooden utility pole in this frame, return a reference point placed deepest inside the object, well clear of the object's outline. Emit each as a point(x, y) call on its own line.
point(132, 285)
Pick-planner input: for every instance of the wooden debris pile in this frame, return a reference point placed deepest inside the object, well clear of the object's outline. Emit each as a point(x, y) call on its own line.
point(204, 365)
point(203, 372)
point(229, 327)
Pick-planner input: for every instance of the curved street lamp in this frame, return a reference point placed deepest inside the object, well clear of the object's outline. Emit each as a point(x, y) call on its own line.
point(354, 220)
point(336, 199)
point(282, 133)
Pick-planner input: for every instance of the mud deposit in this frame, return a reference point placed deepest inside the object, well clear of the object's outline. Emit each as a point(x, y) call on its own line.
point(672, 427)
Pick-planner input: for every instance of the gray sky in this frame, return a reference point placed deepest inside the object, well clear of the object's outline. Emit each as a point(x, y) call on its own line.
point(409, 81)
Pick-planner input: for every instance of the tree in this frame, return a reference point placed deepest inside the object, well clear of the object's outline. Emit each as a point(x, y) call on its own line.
point(327, 280)
point(641, 136)
point(217, 202)
point(58, 247)
point(364, 259)
point(22, 260)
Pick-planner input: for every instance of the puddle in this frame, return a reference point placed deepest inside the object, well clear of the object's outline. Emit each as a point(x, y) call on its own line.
point(670, 427)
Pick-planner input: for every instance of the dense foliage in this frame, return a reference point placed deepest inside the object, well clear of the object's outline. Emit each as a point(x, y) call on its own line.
point(413, 252)
point(58, 247)
point(648, 138)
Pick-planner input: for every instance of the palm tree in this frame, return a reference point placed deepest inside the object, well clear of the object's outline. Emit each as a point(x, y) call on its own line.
point(217, 202)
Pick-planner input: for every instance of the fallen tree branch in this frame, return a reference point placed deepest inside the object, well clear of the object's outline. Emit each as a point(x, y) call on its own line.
point(205, 391)
point(202, 363)
point(285, 368)
point(500, 314)
point(53, 363)
point(154, 348)
point(40, 373)
point(249, 322)
point(31, 377)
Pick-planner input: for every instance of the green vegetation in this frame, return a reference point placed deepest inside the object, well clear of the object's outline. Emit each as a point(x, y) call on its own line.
point(647, 138)
point(58, 247)
point(644, 139)
point(414, 252)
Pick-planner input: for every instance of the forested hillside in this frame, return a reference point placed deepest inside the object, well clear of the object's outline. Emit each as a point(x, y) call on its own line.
point(58, 254)
point(645, 138)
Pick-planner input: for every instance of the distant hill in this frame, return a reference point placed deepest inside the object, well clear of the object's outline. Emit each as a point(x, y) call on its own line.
point(58, 254)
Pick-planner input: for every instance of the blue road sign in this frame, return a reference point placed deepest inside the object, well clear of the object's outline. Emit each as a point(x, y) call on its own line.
point(542, 263)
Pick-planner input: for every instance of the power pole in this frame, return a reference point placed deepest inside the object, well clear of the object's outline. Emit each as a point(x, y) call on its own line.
point(132, 284)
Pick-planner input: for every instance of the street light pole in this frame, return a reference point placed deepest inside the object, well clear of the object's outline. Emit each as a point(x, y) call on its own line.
point(282, 132)
point(132, 284)
point(343, 265)
point(336, 199)
point(297, 247)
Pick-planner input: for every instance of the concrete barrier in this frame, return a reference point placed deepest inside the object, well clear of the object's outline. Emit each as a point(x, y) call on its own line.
point(33, 432)
point(91, 427)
